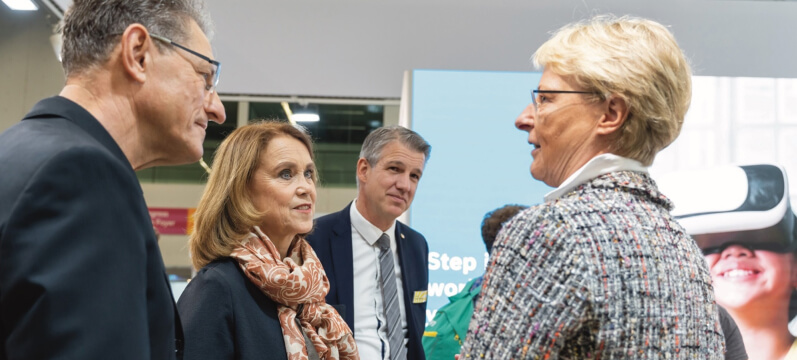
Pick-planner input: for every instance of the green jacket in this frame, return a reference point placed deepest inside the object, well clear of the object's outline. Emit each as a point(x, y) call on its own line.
point(445, 333)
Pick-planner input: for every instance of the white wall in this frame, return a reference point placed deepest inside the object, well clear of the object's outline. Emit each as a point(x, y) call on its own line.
point(362, 47)
point(29, 70)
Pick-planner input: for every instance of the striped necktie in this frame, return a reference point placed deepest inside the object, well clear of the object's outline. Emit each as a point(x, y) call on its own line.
point(390, 301)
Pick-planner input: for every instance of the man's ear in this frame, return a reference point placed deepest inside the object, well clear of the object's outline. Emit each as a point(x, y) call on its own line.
point(362, 170)
point(614, 115)
point(135, 52)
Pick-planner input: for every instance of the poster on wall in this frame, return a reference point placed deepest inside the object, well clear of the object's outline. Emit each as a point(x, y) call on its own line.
point(172, 221)
point(480, 162)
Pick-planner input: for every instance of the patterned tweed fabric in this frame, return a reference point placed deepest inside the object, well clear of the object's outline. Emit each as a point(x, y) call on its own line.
point(603, 272)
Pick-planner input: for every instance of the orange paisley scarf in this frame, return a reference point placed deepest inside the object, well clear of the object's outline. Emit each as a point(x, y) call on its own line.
point(297, 279)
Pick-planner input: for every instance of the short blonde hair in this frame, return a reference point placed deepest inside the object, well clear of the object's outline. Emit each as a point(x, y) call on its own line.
point(635, 59)
point(226, 214)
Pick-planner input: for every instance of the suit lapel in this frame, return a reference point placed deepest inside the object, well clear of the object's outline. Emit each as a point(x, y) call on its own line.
point(340, 244)
point(405, 266)
point(412, 278)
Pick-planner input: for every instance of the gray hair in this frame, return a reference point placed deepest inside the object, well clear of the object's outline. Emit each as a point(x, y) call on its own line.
point(377, 139)
point(91, 27)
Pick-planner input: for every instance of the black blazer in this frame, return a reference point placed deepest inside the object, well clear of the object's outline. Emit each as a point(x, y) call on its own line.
point(225, 316)
point(81, 274)
point(331, 241)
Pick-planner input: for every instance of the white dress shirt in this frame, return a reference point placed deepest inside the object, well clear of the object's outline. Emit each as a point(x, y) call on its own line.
point(597, 166)
point(368, 310)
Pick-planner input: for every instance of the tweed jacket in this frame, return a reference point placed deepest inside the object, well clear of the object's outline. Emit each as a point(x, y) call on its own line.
point(602, 272)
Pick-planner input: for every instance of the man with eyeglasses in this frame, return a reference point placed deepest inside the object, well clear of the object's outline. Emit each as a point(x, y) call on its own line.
point(81, 274)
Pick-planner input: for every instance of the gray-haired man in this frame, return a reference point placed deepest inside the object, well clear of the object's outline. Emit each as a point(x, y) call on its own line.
point(81, 274)
point(377, 266)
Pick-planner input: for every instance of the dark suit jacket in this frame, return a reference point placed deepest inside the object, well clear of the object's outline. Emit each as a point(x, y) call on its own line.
point(81, 274)
point(331, 240)
point(225, 316)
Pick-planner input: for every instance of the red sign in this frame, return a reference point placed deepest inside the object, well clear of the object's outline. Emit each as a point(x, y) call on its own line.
point(170, 221)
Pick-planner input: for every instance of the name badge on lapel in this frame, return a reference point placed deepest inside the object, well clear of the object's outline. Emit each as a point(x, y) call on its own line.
point(419, 297)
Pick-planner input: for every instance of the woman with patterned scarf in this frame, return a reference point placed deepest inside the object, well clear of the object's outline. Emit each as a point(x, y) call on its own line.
point(260, 289)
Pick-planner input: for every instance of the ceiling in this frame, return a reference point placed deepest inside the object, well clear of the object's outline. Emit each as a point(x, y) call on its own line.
point(62, 5)
point(361, 48)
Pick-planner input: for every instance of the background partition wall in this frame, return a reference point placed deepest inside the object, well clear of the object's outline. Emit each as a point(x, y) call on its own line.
point(481, 162)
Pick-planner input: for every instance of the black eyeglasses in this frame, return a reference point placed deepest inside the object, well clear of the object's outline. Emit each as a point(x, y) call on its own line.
point(535, 94)
point(212, 79)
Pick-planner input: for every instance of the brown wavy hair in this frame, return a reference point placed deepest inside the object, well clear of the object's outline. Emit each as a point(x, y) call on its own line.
point(225, 214)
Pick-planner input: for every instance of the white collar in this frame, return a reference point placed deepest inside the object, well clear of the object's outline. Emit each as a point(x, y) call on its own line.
point(599, 165)
point(369, 232)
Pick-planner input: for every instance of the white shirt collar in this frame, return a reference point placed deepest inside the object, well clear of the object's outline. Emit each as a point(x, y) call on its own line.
point(597, 166)
point(369, 232)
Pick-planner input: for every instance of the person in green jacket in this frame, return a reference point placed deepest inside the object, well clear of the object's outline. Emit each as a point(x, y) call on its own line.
point(446, 332)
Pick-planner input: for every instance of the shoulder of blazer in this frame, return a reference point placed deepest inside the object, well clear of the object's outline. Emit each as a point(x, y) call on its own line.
point(229, 275)
point(60, 108)
point(226, 268)
point(337, 223)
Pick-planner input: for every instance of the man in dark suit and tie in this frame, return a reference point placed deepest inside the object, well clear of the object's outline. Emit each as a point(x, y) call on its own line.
point(81, 274)
point(377, 266)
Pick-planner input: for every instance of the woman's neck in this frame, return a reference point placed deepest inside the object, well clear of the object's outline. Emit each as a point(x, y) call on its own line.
point(766, 343)
point(765, 333)
point(283, 244)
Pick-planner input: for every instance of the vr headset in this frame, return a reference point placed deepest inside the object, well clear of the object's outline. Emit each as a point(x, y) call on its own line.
point(734, 205)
